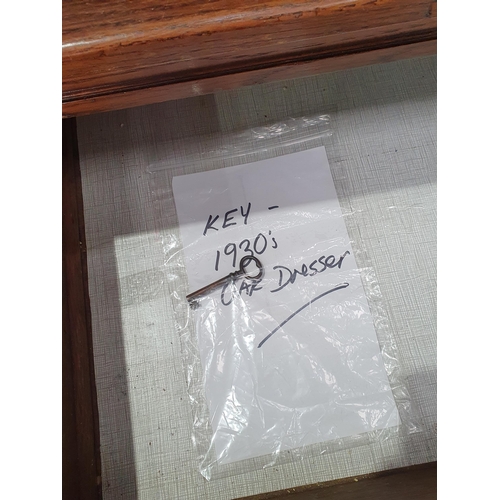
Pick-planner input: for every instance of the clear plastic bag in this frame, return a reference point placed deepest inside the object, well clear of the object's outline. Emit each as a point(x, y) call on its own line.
point(295, 359)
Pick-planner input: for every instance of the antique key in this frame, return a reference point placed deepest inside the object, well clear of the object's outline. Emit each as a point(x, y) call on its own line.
point(231, 277)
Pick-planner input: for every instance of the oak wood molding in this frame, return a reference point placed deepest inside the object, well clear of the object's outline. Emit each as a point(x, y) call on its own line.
point(115, 49)
point(80, 430)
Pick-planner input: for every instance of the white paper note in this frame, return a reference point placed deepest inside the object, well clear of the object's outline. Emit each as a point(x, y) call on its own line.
point(294, 359)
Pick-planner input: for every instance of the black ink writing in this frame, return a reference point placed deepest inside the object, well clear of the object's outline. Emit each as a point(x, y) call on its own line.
point(209, 223)
point(249, 247)
point(246, 243)
point(245, 214)
point(229, 249)
point(249, 287)
point(288, 277)
point(263, 245)
point(217, 259)
point(227, 219)
point(284, 276)
point(274, 241)
point(337, 287)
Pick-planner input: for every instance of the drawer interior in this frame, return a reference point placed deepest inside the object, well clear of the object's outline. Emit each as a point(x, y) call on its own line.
point(383, 143)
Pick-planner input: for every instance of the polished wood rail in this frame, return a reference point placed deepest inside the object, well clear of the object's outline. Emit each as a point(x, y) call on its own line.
point(120, 53)
point(81, 465)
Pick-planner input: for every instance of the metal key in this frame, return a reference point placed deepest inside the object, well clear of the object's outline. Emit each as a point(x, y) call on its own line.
point(231, 277)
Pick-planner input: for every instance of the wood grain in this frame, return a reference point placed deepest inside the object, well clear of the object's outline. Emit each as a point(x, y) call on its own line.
point(81, 460)
point(120, 47)
point(418, 482)
point(161, 93)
